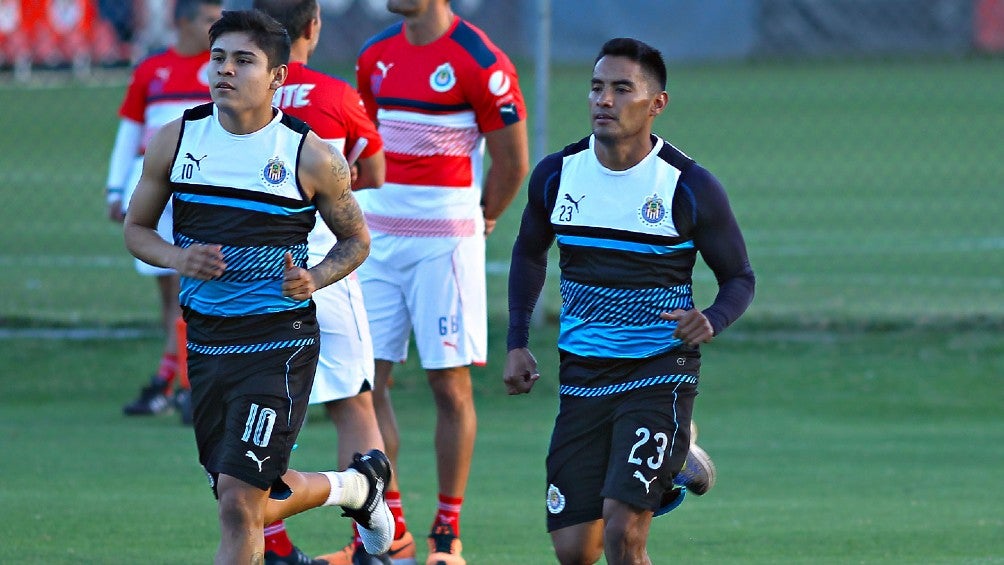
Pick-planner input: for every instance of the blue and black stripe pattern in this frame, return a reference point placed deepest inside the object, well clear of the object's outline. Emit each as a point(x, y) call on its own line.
point(628, 307)
point(251, 284)
point(251, 348)
point(249, 264)
point(607, 390)
point(599, 321)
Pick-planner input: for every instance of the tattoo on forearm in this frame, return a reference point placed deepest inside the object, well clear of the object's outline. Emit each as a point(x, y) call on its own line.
point(346, 220)
point(343, 258)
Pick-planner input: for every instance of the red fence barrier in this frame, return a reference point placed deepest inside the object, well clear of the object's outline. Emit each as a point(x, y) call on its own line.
point(54, 33)
point(990, 25)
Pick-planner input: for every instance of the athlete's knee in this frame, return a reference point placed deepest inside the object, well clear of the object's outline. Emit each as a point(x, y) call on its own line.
point(237, 514)
point(382, 370)
point(351, 408)
point(451, 387)
point(239, 509)
point(581, 544)
point(624, 534)
point(577, 554)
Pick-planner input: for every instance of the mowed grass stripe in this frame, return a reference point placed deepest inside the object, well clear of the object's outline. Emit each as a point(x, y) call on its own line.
point(834, 450)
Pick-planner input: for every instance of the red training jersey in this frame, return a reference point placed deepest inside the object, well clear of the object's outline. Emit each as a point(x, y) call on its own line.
point(162, 87)
point(330, 106)
point(433, 103)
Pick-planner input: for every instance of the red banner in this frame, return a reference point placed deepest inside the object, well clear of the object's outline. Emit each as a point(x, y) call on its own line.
point(990, 25)
point(55, 33)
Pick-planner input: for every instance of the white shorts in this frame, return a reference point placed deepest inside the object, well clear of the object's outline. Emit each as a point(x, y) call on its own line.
point(346, 359)
point(439, 296)
point(165, 226)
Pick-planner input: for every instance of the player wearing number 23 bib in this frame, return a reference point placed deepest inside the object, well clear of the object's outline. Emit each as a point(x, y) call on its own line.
point(630, 213)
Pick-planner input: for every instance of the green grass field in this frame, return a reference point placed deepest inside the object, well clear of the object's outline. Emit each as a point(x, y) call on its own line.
point(854, 413)
point(880, 447)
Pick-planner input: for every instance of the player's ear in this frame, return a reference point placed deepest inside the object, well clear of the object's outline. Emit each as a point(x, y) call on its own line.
point(659, 103)
point(312, 29)
point(279, 76)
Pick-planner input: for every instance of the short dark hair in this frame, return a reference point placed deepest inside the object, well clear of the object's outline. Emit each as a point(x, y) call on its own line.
point(189, 9)
point(648, 57)
point(265, 32)
point(294, 15)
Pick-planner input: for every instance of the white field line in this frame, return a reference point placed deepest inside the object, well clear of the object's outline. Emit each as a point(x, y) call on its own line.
point(757, 246)
point(501, 269)
point(76, 334)
point(64, 80)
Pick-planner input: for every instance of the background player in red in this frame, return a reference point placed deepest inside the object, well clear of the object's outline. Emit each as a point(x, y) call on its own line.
point(162, 87)
point(344, 378)
point(441, 92)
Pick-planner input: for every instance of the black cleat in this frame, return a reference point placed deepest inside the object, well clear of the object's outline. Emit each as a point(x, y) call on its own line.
point(153, 399)
point(376, 523)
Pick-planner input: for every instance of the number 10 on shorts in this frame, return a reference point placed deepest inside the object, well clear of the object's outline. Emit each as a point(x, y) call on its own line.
point(258, 428)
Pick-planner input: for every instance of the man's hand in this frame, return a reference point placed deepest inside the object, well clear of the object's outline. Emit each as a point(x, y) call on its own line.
point(297, 283)
point(693, 328)
point(115, 212)
point(200, 261)
point(489, 222)
point(520, 371)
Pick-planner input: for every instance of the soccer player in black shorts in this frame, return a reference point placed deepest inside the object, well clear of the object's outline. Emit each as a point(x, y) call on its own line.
point(246, 182)
point(630, 213)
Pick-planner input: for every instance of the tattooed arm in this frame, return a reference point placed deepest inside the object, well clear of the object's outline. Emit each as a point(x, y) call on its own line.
point(325, 177)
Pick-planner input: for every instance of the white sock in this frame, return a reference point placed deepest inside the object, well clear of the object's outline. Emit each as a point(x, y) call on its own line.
point(348, 488)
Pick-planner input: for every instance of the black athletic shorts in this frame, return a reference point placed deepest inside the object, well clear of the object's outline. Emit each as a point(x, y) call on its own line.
point(622, 432)
point(251, 378)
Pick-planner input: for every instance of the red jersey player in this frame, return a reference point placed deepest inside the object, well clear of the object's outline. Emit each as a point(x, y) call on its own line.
point(441, 92)
point(162, 87)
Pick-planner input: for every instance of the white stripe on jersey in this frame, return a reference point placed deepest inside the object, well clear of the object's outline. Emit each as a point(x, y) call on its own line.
point(240, 162)
point(159, 113)
point(420, 140)
point(465, 119)
point(593, 196)
point(405, 201)
point(424, 135)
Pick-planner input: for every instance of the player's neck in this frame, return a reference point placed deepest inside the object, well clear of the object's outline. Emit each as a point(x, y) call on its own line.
point(187, 47)
point(428, 27)
point(244, 122)
point(299, 52)
point(186, 51)
point(622, 154)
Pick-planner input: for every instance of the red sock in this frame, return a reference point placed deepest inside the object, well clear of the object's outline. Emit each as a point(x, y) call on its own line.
point(168, 368)
point(276, 539)
point(394, 503)
point(448, 512)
